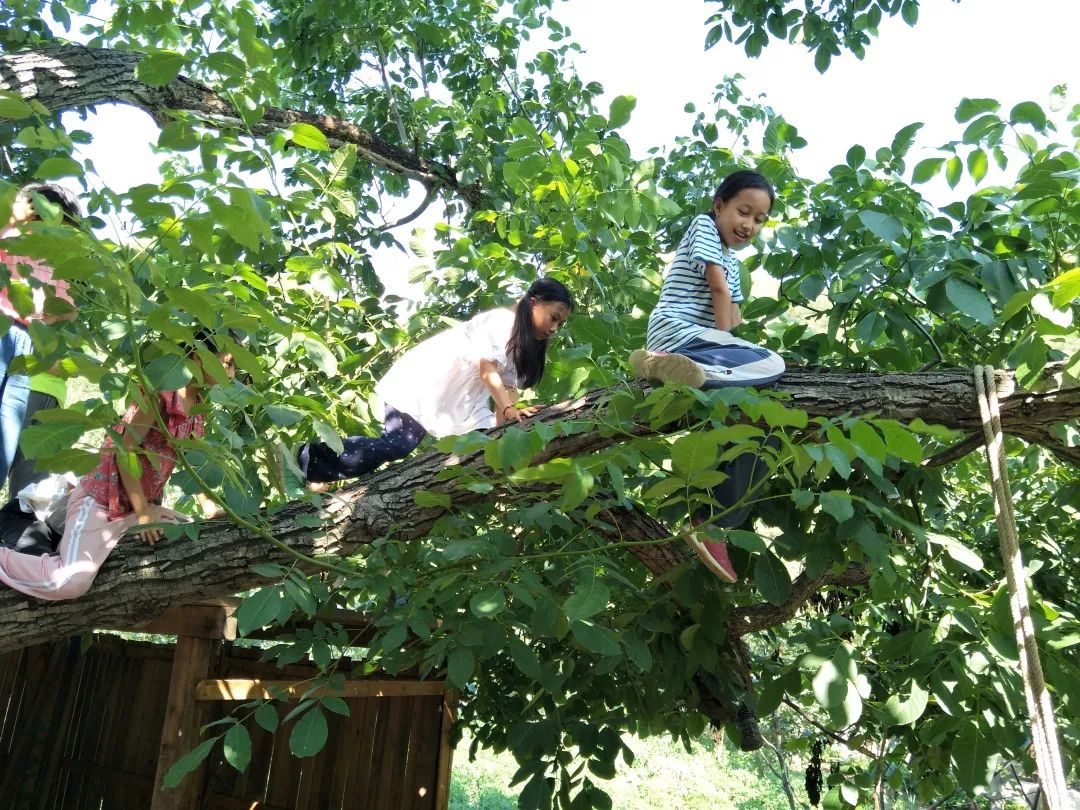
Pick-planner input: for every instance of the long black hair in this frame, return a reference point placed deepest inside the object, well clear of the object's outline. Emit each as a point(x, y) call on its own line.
point(740, 181)
point(528, 353)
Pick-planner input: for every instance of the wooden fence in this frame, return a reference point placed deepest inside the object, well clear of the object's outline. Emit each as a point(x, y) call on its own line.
point(82, 730)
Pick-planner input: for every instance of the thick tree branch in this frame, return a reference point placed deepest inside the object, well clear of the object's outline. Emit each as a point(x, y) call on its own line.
point(138, 583)
point(72, 76)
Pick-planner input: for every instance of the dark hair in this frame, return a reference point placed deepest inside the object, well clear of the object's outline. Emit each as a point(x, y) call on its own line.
point(528, 353)
point(740, 181)
point(209, 340)
point(57, 195)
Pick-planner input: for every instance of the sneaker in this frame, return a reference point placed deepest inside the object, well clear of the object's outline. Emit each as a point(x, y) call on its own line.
point(666, 367)
point(638, 358)
point(714, 554)
point(750, 738)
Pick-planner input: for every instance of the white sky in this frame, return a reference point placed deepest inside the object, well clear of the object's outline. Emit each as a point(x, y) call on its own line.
point(1011, 50)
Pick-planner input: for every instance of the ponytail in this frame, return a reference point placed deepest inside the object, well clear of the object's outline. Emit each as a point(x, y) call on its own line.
point(523, 349)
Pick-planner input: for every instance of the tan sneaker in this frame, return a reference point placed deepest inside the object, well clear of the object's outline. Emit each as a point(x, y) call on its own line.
point(666, 367)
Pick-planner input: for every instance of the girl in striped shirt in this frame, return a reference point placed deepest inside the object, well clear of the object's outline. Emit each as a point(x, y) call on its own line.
point(689, 339)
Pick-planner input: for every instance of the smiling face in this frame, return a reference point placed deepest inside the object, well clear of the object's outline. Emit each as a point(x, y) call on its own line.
point(739, 219)
point(548, 317)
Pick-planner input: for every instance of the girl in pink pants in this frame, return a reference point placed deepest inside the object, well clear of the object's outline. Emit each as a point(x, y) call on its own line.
point(110, 500)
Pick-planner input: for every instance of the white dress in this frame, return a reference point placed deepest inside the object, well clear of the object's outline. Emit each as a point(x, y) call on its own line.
point(438, 382)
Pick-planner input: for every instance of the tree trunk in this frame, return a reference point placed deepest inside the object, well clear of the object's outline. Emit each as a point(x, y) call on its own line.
point(138, 583)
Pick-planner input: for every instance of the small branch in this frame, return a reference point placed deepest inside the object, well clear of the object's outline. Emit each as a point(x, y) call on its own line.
point(754, 618)
point(957, 451)
point(866, 752)
point(429, 198)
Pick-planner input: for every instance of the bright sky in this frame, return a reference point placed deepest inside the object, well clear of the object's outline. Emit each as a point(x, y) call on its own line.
point(1005, 49)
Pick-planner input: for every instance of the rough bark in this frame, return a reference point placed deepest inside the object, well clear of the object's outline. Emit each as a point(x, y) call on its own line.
point(138, 583)
point(71, 76)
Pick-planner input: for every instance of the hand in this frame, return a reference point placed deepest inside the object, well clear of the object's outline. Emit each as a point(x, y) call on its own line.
point(514, 414)
point(155, 515)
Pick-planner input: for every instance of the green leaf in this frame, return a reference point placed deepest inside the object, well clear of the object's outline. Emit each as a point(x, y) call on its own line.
point(259, 609)
point(971, 107)
point(595, 639)
point(56, 167)
point(43, 440)
point(838, 504)
point(587, 600)
point(926, 169)
point(969, 300)
point(432, 499)
point(977, 165)
point(168, 372)
point(328, 435)
point(309, 734)
point(856, 156)
point(487, 603)
point(307, 136)
point(267, 717)
point(158, 68)
point(621, 107)
point(1028, 112)
point(525, 659)
point(905, 711)
point(238, 747)
point(972, 750)
point(772, 578)
point(13, 107)
point(460, 666)
point(900, 441)
point(188, 763)
point(910, 13)
point(885, 227)
point(693, 453)
point(868, 440)
point(954, 168)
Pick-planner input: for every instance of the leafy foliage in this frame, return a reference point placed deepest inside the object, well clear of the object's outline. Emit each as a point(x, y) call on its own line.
point(560, 640)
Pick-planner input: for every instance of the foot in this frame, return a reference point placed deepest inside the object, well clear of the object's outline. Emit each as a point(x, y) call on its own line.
point(667, 368)
point(750, 738)
point(713, 553)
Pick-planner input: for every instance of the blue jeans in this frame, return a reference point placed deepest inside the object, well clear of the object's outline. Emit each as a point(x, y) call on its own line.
point(742, 364)
point(400, 435)
point(14, 393)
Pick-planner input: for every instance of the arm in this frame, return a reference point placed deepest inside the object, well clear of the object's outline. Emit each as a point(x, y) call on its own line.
point(146, 512)
point(504, 405)
point(725, 311)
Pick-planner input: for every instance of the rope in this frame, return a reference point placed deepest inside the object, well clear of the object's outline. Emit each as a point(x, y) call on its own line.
point(1040, 710)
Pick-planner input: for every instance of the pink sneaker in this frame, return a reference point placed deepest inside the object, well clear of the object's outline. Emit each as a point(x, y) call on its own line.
point(714, 554)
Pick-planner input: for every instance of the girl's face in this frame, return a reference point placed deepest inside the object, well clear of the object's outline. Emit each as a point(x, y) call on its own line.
point(227, 362)
point(548, 317)
point(739, 219)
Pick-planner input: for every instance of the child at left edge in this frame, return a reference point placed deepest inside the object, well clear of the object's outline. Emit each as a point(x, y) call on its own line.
point(110, 501)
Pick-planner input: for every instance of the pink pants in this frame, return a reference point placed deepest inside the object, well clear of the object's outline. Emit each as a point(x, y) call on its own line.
point(89, 538)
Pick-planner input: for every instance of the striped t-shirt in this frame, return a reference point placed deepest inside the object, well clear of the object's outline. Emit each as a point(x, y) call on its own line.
point(685, 308)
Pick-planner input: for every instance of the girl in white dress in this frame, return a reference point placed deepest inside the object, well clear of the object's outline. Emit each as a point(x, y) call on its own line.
point(444, 385)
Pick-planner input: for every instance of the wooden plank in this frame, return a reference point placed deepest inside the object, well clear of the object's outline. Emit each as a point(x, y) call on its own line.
point(197, 621)
point(191, 664)
point(446, 753)
point(255, 688)
point(423, 766)
point(395, 743)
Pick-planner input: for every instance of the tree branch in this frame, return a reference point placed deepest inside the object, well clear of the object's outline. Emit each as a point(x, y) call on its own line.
point(138, 583)
point(72, 76)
